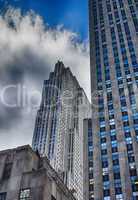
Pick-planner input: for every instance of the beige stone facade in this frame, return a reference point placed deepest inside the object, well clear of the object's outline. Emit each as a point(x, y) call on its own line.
point(24, 176)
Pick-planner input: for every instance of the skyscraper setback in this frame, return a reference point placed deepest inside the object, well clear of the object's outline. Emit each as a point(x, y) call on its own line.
point(114, 78)
point(58, 130)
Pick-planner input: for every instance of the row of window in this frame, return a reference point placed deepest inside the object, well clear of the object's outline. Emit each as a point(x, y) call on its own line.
point(25, 194)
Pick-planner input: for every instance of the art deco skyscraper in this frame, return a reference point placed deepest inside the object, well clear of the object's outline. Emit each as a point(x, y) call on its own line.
point(114, 80)
point(59, 127)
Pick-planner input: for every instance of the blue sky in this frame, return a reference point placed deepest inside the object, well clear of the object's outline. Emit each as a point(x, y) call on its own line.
point(73, 14)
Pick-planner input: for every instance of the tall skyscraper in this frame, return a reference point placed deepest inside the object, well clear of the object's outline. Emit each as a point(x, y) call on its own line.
point(88, 155)
point(58, 130)
point(114, 83)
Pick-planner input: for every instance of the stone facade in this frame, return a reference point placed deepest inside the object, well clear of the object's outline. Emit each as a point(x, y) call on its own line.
point(88, 154)
point(114, 78)
point(25, 175)
point(58, 130)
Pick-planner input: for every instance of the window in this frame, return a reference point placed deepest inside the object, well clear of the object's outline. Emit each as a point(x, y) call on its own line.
point(118, 190)
point(103, 140)
point(133, 172)
point(7, 171)
point(129, 147)
point(126, 123)
point(3, 196)
point(117, 175)
point(106, 193)
point(114, 149)
point(127, 134)
point(116, 162)
point(113, 137)
point(104, 151)
point(131, 158)
point(25, 194)
point(53, 198)
point(106, 178)
point(104, 164)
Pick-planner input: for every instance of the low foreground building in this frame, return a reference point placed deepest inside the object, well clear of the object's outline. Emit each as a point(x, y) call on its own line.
point(24, 175)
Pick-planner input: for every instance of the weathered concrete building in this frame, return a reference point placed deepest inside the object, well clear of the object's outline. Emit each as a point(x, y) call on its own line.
point(24, 176)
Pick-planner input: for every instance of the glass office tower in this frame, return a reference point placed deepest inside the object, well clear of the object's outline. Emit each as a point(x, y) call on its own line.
point(114, 85)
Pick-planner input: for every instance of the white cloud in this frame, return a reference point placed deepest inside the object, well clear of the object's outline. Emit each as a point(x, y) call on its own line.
point(28, 52)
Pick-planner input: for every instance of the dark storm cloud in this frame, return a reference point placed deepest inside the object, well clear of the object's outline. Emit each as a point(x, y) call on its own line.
point(25, 64)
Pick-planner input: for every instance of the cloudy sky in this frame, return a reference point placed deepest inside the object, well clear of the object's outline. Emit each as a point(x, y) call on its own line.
point(34, 34)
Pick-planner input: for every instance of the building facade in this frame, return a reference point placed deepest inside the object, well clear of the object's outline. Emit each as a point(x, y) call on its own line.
point(114, 83)
point(58, 130)
point(24, 175)
point(88, 153)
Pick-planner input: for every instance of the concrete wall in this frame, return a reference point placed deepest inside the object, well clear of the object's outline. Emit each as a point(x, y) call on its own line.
point(27, 172)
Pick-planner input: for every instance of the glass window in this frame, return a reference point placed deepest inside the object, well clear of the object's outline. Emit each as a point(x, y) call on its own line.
point(117, 175)
point(25, 194)
point(104, 151)
point(118, 190)
point(106, 178)
point(105, 164)
point(114, 149)
point(106, 193)
point(133, 172)
point(129, 147)
point(3, 196)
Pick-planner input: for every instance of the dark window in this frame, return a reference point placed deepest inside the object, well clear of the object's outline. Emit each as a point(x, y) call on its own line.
point(111, 116)
point(133, 172)
point(115, 162)
point(3, 196)
point(113, 137)
point(103, 140)
point(124, 113)
point(112, 127)
point(129, 147)
point(106, 178)
point(7, 171)
point(114, 149)
point(90, 163)
point(53, 198)
point(102, 129)
point(90, 175)
point(135, 187)
point(105, 164)
point(126, 123)
point(131, 158)
point(109, 96)
point(127, 134)
point(117, 175)
point(118, 190)
point(135, 121)
point(106, 193)
point(110, 107)
point(104, 151)
point(120, 81)
point(91, 187)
